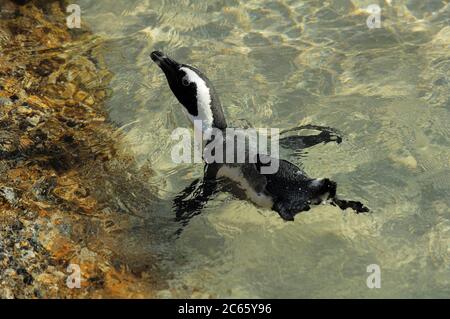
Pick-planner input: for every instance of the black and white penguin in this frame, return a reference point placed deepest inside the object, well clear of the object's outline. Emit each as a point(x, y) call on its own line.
point(287, 191)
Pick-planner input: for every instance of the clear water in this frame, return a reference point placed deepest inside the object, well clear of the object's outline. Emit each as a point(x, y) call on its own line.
point(281, 64)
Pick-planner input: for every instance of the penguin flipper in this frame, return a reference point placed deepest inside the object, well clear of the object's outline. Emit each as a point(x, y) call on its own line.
point(199, 191)
point(298, 142)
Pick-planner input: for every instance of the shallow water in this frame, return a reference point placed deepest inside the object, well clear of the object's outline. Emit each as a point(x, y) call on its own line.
point(282, 64)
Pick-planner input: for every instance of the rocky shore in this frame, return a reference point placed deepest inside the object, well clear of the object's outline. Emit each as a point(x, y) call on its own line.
point(58, 155)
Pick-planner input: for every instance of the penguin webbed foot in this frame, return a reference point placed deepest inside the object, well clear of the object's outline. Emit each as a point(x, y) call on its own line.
point(357, 207)
point(328, 186)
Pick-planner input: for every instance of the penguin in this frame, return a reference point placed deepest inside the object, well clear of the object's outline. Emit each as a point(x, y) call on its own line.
point(287, 191)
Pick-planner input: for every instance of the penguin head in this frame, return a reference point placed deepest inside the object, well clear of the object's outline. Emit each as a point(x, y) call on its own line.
point(193, 90)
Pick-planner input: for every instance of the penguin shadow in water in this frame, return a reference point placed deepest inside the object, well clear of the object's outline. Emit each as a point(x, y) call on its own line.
point(288, 191)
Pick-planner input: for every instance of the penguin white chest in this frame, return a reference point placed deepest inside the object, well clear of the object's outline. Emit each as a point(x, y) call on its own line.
point(235, 174)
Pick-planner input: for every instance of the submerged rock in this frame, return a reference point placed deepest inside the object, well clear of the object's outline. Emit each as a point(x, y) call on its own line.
point(4, 101)
point(9, 194)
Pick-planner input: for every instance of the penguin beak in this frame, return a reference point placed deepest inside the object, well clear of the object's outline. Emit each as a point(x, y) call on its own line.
point(167, 64)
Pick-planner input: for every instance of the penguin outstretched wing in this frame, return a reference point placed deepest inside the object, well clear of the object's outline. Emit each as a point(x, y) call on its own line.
point(190, 202)
point(300, 142)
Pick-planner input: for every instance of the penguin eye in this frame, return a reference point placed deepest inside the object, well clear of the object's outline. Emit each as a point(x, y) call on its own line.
point(185, 82)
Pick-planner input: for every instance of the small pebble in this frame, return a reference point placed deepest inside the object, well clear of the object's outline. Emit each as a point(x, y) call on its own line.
point(34, 120)
point(9, 195)
point(4, 101)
